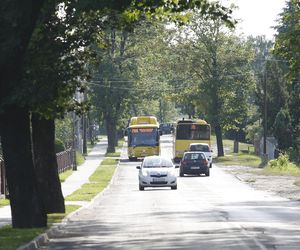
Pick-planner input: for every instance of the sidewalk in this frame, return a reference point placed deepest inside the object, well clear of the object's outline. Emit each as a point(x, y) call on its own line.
point(74, 181)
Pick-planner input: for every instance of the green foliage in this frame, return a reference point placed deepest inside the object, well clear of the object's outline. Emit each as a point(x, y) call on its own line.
point(254, 131)
point(282, 165)
point(282, 129)
point(59, 146)
point(64, 130)
point(287, 40)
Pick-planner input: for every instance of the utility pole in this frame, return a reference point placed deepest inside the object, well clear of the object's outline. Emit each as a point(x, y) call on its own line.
point(74, 141)
point(265, 155)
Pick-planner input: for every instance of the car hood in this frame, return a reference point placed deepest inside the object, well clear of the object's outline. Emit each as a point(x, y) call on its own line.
point(161, 171)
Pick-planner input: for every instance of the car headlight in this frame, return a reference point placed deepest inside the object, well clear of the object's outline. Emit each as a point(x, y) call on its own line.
point(145, 173)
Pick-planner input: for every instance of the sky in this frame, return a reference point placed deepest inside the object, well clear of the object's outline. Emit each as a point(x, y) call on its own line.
point(257, 16)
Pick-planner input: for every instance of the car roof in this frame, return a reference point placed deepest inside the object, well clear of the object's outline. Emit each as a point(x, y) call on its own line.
point(193, 152)
point(199, 143)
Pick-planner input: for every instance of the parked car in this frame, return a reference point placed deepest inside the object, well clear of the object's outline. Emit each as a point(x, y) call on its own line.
point(202, 147)
point(157, 171)
point(194, 163)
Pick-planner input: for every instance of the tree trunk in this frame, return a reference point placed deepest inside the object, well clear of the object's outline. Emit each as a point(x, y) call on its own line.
point(111, 134)
point(218, 131)
point(49, 187)
point(27, 208)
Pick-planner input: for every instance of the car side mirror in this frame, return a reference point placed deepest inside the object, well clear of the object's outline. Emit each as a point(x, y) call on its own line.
point(176, 166)
point(125, 132)
point(160, 132)
point(138, 167)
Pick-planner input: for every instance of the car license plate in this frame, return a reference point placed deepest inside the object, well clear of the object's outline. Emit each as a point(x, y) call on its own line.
point(158, 179)
point(195, 167)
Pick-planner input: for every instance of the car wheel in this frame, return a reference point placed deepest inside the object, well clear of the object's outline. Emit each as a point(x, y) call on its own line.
point(174, 187)
point(210, 165)
point(207, 172)
point(141, 188)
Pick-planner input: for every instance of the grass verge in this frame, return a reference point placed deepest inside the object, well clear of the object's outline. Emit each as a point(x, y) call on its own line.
point(98, 181)
point(63, 176)
point(239, 159)
point(115, 154)
point(79, 158)
point(4, 202)
point(297, 183)
point(12, 238)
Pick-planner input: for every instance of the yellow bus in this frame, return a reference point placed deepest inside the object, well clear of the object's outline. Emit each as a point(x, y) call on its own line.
point(143, 137)
point(189, 131)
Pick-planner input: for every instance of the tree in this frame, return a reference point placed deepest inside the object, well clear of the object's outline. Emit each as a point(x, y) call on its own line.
point(286, 48)
point(219, 65)
point(18, 22)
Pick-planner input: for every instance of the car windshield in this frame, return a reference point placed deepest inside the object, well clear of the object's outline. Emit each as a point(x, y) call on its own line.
point(199, 147)
point(194, 156)
point(157, 162)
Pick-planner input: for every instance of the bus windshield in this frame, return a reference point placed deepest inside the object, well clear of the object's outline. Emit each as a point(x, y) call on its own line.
point(143, 137)
point(193, 132)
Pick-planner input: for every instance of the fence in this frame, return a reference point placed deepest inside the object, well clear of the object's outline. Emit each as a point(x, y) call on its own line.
point(65, 160)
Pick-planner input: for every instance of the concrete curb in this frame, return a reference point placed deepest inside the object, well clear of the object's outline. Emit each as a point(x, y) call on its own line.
point(42, 239)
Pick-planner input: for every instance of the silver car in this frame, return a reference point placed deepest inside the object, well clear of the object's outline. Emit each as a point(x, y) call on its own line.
point(157, 171)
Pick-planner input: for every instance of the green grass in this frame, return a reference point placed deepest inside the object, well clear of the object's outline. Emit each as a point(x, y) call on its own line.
point(120, 143)
point(98, 181)
point(109, 161)
point(245, 157)
point(56, 218)
point(239, 159)
point(63, 176)
point(115, 154)
point(12, 238)
point(4, 202)
point(79, 158)
point(297, 183)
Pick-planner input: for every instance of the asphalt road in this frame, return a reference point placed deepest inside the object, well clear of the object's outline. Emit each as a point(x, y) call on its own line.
point(216, 212)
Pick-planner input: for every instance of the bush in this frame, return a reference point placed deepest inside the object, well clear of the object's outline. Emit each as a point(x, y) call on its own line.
point(283, 165)
point(59, 146)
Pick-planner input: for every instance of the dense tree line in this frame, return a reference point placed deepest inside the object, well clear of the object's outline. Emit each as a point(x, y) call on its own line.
point(44, 46)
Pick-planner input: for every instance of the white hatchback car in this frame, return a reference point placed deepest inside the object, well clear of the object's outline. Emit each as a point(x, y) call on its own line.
point(202, 147)
point(157, 171)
